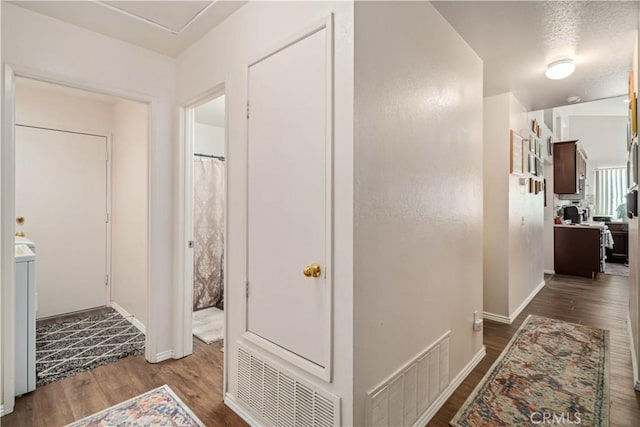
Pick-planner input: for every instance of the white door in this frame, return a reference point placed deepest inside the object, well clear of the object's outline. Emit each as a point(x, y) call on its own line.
point(289, 197)
point(61, 191)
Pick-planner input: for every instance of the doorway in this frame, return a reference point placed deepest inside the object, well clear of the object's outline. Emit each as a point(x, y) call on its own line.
point(81, 207)
point(205, 219)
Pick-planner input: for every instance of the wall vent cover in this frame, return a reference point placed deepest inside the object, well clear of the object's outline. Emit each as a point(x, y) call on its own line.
point(280, 398)
point(410, 391)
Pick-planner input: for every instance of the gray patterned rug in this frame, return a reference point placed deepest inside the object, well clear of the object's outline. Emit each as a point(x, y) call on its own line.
point(69, 347)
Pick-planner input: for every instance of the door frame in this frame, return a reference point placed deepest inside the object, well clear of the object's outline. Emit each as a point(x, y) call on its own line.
point(89, 132)
point(7, 215)
point(323, 372)
point(184, 233)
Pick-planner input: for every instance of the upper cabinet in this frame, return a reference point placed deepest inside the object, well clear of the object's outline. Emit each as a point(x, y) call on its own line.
point(569, 168)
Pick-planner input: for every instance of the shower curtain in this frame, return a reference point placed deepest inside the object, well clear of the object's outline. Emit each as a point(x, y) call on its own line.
point(208, 232)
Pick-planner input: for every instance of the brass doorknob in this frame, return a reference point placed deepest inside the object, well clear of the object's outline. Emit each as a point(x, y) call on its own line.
point(313, 270)
point(20, 234)
point(20, 220)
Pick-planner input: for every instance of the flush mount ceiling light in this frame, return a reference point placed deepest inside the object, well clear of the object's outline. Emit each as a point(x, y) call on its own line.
point(560, 69)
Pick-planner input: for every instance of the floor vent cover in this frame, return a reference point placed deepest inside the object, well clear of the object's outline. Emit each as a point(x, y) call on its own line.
point(280, 398)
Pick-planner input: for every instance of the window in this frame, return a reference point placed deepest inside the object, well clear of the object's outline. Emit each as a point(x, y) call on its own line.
point(611, 190)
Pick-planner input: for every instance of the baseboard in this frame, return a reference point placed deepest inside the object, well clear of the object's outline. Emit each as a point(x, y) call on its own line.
point(453, 385)
point(1, 410)
point(230, 401)
point(509, 319)
point(549, 272)
point(164, 355)
point(513, 316)
point(130, 317)
point(634, 356)
point(496, 317)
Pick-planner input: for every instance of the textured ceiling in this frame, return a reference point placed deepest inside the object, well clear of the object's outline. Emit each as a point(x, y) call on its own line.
point(517, 39)
point(167, 27)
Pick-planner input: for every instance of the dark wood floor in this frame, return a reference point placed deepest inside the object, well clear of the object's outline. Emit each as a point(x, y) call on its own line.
point(196, 379)
point(602, 303)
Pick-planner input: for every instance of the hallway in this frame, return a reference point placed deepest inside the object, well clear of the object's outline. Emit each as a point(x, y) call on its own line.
point(600, 303)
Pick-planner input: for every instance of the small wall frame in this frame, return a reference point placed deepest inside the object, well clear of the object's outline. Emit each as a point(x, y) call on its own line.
point(517, 154)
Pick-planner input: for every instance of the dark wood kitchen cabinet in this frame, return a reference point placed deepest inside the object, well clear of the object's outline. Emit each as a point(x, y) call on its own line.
point(576, 250)
point(620, 234)
point(569, 164)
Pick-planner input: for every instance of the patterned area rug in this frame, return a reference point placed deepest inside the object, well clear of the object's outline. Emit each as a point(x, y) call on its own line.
point(552, 372)
point(208, 324)
point(69, 347)
point(158, 407)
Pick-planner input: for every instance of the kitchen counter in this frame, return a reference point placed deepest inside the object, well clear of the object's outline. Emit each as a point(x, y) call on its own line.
point(586, 224)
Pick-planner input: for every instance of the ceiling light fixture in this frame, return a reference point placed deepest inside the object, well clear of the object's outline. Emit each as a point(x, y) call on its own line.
point(560, 69)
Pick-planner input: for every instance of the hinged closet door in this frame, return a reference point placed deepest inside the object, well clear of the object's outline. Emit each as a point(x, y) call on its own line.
point(289, 198)
point(61, 191)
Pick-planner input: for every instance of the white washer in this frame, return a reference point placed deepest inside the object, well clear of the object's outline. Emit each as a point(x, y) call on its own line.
point(25, 241)
point(25, 320)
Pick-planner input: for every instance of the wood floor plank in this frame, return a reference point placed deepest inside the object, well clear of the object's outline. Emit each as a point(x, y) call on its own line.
point(51, 408)
point(84, 394)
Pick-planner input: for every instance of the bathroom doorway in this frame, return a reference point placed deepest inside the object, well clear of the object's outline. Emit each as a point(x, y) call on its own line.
point(205, 218)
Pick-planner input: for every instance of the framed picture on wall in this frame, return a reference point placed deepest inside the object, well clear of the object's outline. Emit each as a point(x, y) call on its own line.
point(532, 164)
point(517, 154)
point(632, 165)
point(633, 111)
point(633, 105)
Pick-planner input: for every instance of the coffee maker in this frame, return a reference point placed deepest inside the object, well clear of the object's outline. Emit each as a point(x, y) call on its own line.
point(573, 213)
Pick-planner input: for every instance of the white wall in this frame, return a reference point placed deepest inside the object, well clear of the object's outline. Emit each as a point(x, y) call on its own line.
point(496, 204)
point(604, 139)
point(209, 140)
point(47, 106)
point(222, 56)
point(512, 275)
point(36, 44)
point(418, 191)
point(526, 226)
point(549, 210)
point(129, 230)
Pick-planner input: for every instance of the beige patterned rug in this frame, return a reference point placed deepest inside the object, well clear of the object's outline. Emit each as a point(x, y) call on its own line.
point(208, 324)
point(158, 407)
point(552, 372)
